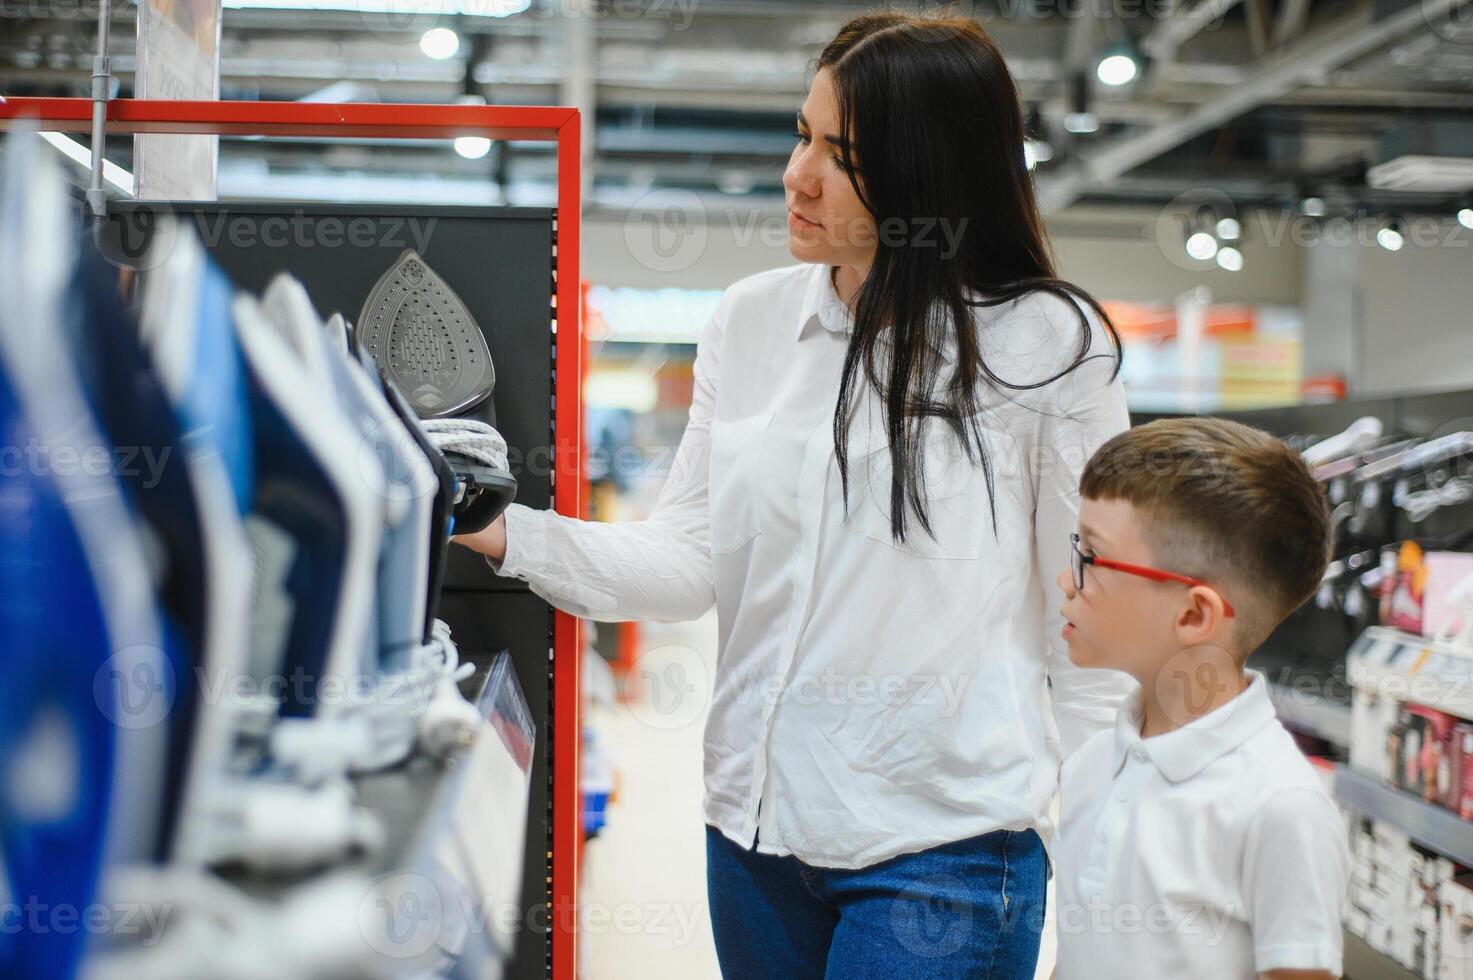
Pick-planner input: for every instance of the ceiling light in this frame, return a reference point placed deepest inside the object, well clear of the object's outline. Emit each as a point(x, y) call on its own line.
point(1313, 207)
point(1079, 119)
point(1229, 229)
point(1081, 122)
point(439, 43)
point(472, 147)
point(736, 182)
point(1230, 259)
point(1465, 217)
point(1117, 70)
point(1201, 246)
point(1390, 238)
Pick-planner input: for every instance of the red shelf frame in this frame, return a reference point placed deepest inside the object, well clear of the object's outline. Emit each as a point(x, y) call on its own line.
point(557, 125)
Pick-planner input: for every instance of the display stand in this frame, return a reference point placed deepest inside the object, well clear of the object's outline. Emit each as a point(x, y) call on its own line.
point(557, 716)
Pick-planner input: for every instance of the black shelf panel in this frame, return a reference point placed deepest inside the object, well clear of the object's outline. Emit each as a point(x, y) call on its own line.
point(1431, 826)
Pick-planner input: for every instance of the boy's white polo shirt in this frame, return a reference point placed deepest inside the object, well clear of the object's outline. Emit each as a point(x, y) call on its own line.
point(1209, 852)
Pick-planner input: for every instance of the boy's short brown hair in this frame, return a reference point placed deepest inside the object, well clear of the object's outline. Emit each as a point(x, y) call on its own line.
point(1224, 503)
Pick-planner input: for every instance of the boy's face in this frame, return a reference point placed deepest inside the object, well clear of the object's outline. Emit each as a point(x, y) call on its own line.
point(1119, 621)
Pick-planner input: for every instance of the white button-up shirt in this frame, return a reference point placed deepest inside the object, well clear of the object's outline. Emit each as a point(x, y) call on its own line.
point(876, 698)
point(1212, 852)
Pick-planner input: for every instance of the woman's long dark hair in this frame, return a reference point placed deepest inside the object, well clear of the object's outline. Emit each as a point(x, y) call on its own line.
point(930, 111)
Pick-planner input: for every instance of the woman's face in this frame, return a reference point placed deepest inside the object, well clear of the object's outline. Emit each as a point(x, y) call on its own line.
point(826, 222)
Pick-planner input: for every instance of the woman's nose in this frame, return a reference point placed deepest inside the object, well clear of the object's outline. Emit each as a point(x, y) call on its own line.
point(799, 177)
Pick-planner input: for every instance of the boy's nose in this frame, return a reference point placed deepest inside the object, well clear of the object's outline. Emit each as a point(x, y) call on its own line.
point(1065, 581)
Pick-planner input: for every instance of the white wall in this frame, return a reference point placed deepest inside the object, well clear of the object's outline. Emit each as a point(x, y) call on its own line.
point(1387, 321)
point(1114, 254)
point(1131, 255)
point(1416, 315)
point(1332, 313)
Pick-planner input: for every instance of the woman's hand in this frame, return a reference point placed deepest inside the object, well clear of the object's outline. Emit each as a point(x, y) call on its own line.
point(489, 541)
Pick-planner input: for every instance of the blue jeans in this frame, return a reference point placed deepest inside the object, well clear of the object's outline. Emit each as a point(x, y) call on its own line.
point(970, 909)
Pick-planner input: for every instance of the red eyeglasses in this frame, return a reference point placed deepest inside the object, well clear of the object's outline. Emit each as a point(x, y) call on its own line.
point(1080, 559)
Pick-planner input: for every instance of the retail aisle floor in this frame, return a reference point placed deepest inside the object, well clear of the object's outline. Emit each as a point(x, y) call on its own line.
point(644, 886)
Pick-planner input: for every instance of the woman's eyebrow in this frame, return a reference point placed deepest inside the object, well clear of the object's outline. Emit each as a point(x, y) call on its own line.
point(833, 140)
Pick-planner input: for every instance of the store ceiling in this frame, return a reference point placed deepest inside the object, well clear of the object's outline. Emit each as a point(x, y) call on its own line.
point(1271, 101)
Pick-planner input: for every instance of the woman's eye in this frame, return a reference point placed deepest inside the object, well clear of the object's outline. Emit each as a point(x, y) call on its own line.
point(800, 137)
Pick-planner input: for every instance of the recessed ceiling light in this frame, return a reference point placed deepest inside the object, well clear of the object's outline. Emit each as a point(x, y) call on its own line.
point(439, 43)
point(1201, 246)
point(1081, 122)
point(1117, 70)
point(1390, 238)
point(472, 147)
point(735, 182)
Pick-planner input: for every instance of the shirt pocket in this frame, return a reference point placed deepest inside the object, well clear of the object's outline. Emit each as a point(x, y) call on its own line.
point(736, 453)
point(957, 499)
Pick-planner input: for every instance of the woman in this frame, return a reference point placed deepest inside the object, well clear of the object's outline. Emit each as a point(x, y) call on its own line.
point(876, 486)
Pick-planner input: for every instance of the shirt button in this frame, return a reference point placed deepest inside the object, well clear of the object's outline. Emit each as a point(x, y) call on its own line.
point(1122, 796)
point(1139, 755)
point(1101, 837)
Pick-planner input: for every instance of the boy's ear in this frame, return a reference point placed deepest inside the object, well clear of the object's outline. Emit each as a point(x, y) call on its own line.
point(1198, 619)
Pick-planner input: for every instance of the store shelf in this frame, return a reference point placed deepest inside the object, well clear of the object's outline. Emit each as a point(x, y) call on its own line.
point(1312, 714)
point(1401, 665)
point(1431, 826)
point(1364, 963)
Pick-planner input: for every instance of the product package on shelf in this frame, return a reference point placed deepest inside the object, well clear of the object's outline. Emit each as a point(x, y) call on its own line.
point(1403, 606)
point(1399, 901)
point(1458, 761)
point(1417, 749)
point(1445, 593)
point(1417, 942)
point(1455, 928)
point(1372, 717)
point(1428, 595)
point(1422, 738)
point(1359, 898)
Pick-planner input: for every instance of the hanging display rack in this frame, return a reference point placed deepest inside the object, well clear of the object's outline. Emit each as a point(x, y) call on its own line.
point(557, 125)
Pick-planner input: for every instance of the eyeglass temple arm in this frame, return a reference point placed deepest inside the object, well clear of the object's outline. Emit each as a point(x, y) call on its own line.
point(1156, 574)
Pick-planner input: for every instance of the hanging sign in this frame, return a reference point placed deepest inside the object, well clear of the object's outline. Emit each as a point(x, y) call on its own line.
point(178, 58)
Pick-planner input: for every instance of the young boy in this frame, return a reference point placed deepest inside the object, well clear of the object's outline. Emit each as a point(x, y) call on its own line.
point(1196, 842)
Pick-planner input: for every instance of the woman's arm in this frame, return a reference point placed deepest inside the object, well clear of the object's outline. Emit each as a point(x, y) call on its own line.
point(655, 569)
point(1083, 410)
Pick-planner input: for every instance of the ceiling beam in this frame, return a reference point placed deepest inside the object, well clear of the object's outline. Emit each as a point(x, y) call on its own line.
point(1315, 53)
point(1292, 16)
point(1183, 25)
point(1258, 17)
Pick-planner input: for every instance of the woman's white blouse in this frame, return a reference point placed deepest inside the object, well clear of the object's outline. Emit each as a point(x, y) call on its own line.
point(875, 698)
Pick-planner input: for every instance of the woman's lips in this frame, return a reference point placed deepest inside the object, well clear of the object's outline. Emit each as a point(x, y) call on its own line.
point(798, 221)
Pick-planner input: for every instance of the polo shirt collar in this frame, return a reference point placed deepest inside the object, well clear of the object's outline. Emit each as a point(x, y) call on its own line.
point(1183, 753)
point(821, 303)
